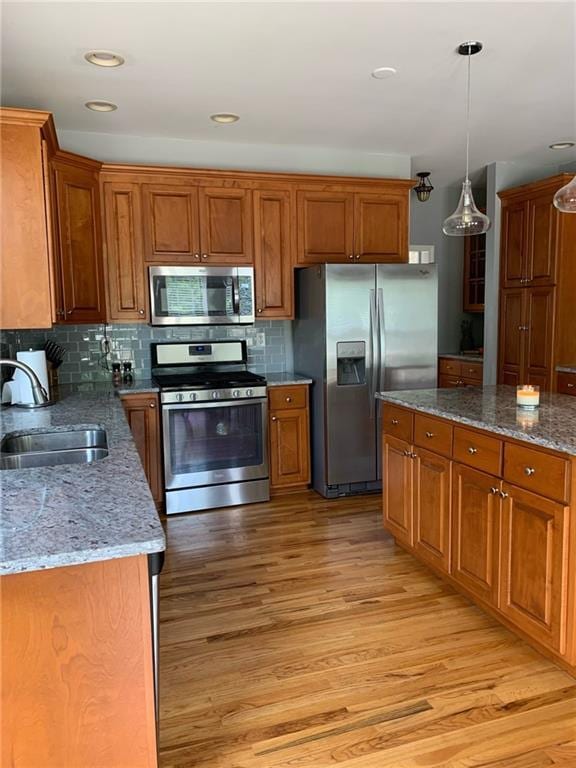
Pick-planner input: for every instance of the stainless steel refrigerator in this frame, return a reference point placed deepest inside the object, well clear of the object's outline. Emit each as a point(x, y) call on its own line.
point(360, 329)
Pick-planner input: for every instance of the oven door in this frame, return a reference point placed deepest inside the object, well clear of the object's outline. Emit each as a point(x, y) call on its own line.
point(215, 443)
point(201, 295)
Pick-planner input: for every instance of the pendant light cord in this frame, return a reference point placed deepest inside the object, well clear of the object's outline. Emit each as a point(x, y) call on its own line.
point(468, 87)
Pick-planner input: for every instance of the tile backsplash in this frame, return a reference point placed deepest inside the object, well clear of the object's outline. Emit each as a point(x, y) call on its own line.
point(269, 345)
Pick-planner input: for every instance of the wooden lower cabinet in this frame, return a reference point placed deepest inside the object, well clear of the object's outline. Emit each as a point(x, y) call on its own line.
point(289, 438)
point(431, 507)
point(511, 549)
point(397, 488)
point(475, 532)
point(533, 567)
point(77, 670)
point(142, 413)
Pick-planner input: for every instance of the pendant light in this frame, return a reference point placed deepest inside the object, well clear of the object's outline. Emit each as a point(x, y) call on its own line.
point(565, 198)
point(467, 219)
point(424, 186)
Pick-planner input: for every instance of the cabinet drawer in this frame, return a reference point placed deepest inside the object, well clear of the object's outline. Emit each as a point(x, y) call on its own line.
point(445, 382)
point(478, 451)
point(287, 397)
point(450, 367)
point(537, 471)
point(433, 434)
point(472, 371)
point(567, 383)
point(397, 422)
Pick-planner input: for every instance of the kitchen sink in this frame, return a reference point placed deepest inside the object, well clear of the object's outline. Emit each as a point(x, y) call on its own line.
point(50, 449)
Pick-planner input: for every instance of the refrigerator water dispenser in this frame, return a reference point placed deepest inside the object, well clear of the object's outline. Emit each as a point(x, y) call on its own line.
point(350, 363)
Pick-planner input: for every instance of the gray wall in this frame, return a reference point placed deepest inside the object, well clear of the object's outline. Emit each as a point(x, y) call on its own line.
point(426, 229)
point(269, 345)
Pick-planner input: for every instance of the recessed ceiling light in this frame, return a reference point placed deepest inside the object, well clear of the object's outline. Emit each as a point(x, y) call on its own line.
point(101, 106)
point(225, 117)
point(381, 73)
point(104, 58)
point(562, 145)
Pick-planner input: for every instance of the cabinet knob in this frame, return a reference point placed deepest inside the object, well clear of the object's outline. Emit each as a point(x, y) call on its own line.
point(259, 311)
point(351, 256)
point(529, 471)
point(503, 494)
point(197, 256)
point(140, 311)
point(69, 312)
point(413, 455)
point(429, 434)
point(395, 421)
point(152, 405)
point(204, 255)
point(407, 453)
point(494, 490)
point(60, 313)
point(570, 385)
point(472, 450)
point(357, 255)
point(274, 418)
point(288, 399)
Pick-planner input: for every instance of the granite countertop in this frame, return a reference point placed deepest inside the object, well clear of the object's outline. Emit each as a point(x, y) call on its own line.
point(464, 358)
point(283, 379)
point(77, 513)
point(553, 425)
point(566, 368)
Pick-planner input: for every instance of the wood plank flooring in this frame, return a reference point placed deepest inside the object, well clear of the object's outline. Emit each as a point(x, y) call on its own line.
point(296, 635)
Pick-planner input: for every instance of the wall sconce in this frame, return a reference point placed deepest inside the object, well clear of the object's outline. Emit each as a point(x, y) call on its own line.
point(424, 187)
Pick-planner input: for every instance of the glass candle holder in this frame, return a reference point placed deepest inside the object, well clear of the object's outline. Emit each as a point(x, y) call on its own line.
point(528, 396)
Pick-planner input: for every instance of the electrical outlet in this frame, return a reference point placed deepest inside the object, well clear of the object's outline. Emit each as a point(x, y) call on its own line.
point(260, 340)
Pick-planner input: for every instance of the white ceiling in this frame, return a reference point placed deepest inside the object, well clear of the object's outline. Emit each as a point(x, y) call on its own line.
point(299, 74)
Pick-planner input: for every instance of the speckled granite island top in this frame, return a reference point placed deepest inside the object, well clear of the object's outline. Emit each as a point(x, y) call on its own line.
point(286, 379)
point(73, 514)
point(494, 409)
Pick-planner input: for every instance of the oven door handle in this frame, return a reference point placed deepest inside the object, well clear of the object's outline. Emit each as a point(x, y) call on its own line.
point(196, 405)
point(236, 294)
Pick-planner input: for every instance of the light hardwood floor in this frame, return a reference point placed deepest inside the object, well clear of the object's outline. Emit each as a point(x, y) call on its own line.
point(296, 635)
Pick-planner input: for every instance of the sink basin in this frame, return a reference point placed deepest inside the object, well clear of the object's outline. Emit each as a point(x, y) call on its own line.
point(50, 449)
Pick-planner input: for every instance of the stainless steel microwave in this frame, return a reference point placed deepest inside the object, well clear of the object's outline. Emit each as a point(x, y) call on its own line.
point(201, 295)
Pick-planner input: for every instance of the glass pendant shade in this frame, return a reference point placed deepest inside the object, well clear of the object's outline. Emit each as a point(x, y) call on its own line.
point(466, 219)
point(565, 198)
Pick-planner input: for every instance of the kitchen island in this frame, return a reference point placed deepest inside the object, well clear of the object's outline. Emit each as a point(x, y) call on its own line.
point(483, 493)
point(77, 647)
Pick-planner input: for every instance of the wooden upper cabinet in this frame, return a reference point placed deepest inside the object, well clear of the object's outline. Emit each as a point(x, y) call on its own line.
point(225, 225)
point(170, 223)
point(475, 532)
point(325, 227)
point(533, 565)
point(381, 228)
point(541, 241)
point(512, 336)
point(80, 242)
point(273, 257)
point(26, 284)
point(431, 506)
point(514, 232)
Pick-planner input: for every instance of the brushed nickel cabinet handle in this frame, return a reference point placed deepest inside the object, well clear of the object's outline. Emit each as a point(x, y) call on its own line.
point(357, 255)
point(570, 385)
point(152, 405)
point(472, 450)
point(407, 453)
point(503, 494)
point(413, 455)
point(259, 311)
point(140, 311)
point(429, 434)
point(274, 418)
point(529, 471)
point(351, 256)
point(494, 490)
point(288, 399)
point(204, 255)
point(395, 421)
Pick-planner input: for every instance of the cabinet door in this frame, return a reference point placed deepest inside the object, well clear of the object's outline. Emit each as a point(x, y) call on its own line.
point(170, 216)
point(144, 420)
point(325, 227)
point(541, 251)
point(475, 531)
point(539, 335)
point(431, 507)
point(397, 489)
point(274, 270)
point(513, 244)
point(381, 228)
point(80, 244)
point(533, 565)
point(226, 225)
point(474, 273)
point(512, 336)
point(289, 448)
point(125, 270)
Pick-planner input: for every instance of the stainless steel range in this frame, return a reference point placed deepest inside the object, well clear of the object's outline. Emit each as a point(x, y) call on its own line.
point(214, 425)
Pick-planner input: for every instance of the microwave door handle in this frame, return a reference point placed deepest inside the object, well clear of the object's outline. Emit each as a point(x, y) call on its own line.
point(236, 294)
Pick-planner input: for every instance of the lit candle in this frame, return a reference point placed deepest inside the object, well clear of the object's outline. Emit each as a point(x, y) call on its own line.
point(528, 396)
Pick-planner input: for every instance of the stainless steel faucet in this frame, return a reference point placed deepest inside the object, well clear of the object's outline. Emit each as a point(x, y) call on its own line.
point(38, 392)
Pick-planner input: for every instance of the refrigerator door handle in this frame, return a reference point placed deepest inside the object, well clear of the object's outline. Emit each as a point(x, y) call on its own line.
point(374, 362)
point(380, 380)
